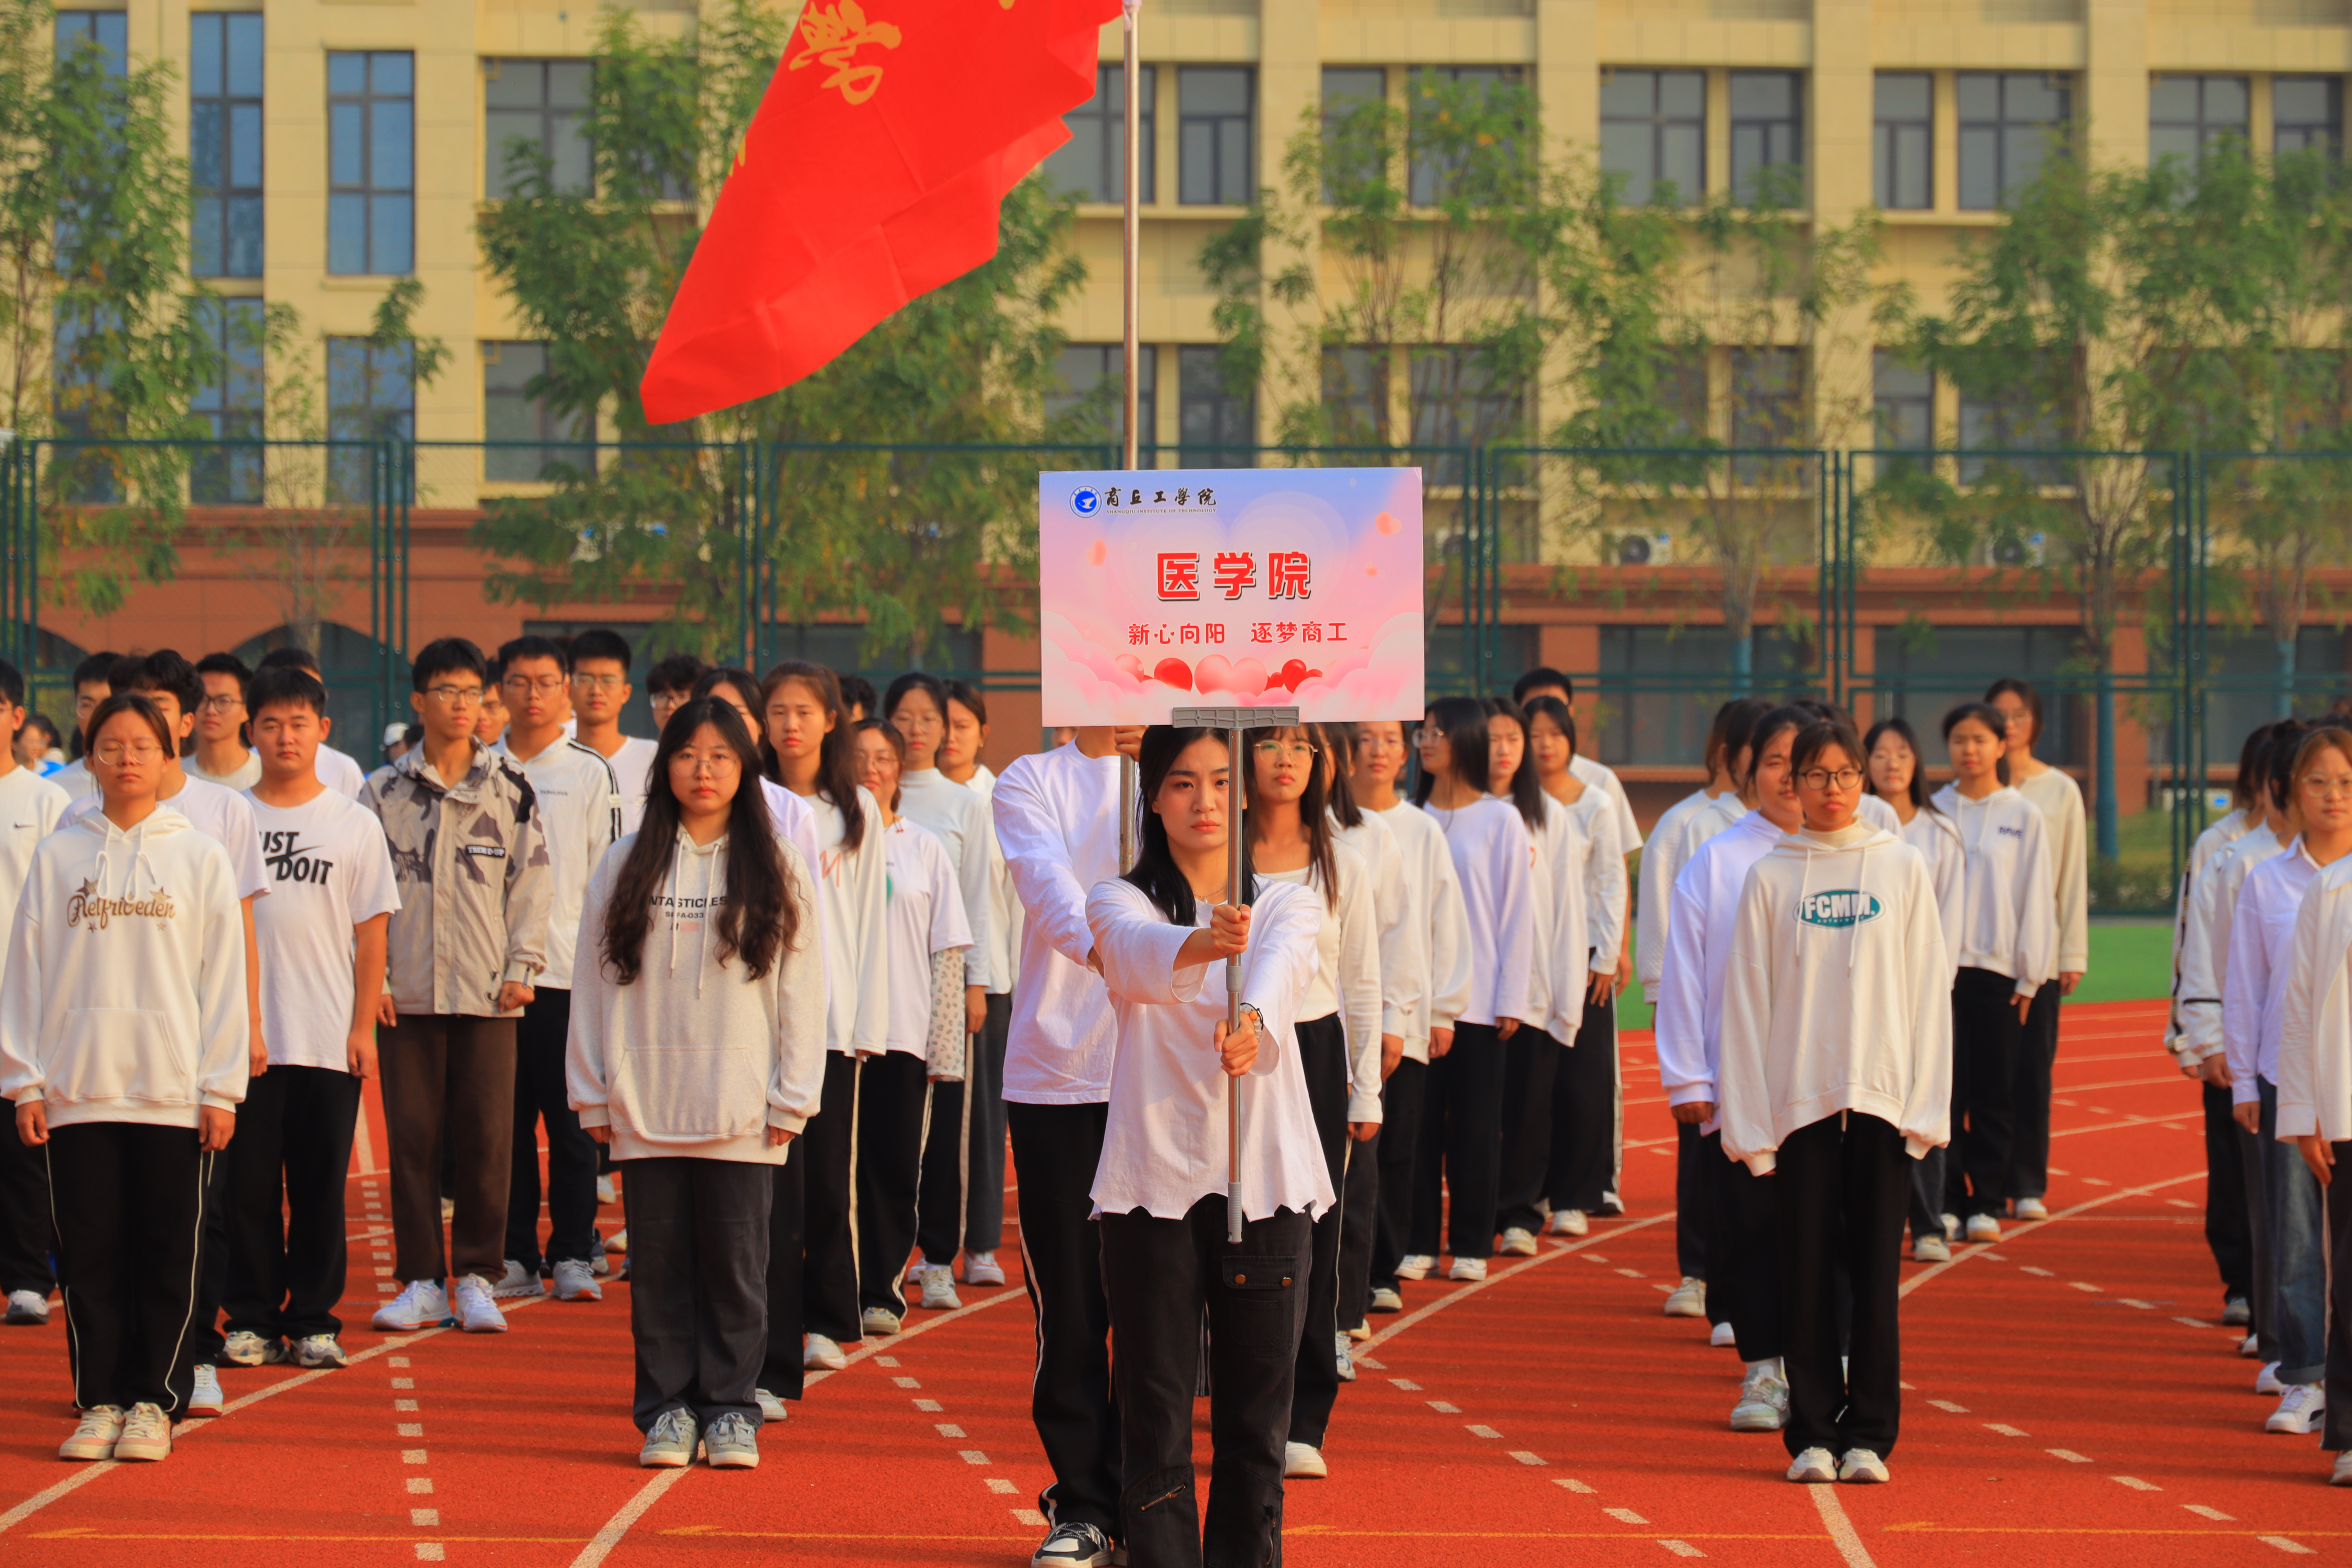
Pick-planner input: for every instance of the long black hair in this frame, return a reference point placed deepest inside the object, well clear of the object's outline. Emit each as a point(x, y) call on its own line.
point(2011, 686)
point(1553, 709)
point(1762, 733)
point(1314, 806)
point(1339, 745)
point(1992, 719)
point(1155, 870)
point(759, 918)
point(2287, 736)
point(1462, 721)
point(2246, 789)
point(1901, 730)
point(898, 745)
point(836, 770)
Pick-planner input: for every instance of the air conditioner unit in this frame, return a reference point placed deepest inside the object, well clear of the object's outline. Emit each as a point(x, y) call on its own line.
point(1645, 550)
point(2015, 550)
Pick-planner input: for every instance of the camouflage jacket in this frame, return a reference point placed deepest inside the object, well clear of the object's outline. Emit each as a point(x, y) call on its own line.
point(474, 883)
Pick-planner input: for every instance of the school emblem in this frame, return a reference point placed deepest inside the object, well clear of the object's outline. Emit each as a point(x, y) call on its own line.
point(1848, 907)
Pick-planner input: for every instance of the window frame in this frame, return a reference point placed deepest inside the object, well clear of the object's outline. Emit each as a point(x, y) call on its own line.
point(1107, 109)
point(1216, 121)
point(1886, 147)
point(2332, 127)
point(1743, 174)
point(1199, 384)
point(367, 193)
point(549, 115)
point(1659, 124)
point(227, 197)
point(2004, 129)
point(234, 406)
point(2208, 130)
point(1107, 368)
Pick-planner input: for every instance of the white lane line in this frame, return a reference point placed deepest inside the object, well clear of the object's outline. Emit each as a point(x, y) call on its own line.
point(2013, 1231)
point(1842, 1531)
point(1497, 1275)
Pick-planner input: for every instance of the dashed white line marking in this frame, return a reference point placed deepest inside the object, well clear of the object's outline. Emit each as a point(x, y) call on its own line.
point(2193, 1322)
point(2201, 1511)
point(2181, 1203)
point(1572, 1484)
point(973, 1457)
point(2004, 1430)
point(1523, 1457)
point(2143, 1306)
point(2037, 1273)
point(2079, 1284)
point(906, 1383)
point(2093, 1181)
point(1030, 1517)
point(1406, 1384)
point(1478, 1431)
point(403, 1383)
point(424, 1516)
point(2135, 1483)
point(428, 1552)
point(928, 1405)
point(1442, 1409)
point(885, 1361)
point(1682, 1549)
point(412, 1456)
point(1631, 1273)
point(2294, 1547)
point(2069, 1455)
point(1624, 1516)
point(420, 1485)
point(999, 1484)
point(409, 1429)
point(949, 1429)
point(1949, 1408)
point(395, 1361)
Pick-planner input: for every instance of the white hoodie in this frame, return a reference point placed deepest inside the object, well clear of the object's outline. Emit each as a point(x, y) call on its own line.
point(2209, 845)
point(2253, 982)
point(2009, 918)
point(125, 999)
point(2315, 1039)
point(1660, 862)
point(1835, 999)
point(695, 1059)
point(1442, 940)
point(2205, 944)
point(1705, 904)
point(1938, 839)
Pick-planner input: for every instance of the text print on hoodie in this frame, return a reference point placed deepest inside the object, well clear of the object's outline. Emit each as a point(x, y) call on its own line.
point(1837, 996)
point(125, 999)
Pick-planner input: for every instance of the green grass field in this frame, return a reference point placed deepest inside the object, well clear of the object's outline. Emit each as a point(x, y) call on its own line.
point(2130, 960)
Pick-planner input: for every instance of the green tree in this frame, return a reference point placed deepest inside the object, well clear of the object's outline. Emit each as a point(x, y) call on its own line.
point(910, 537)
point(101, 332)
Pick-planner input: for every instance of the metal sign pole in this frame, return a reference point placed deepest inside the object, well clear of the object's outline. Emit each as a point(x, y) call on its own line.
point(1130, 355)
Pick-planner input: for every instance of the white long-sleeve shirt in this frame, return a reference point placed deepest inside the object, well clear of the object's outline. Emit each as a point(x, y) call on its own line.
point(2209, 845)
point(1661, 860)
point(853, 886)
point(1347, 977)
point(1629, 831)
point(1401, 970)
point(1699, 922)
point(1494, 860)
point(1164, 1145)
point(2060, 800)
point(1003, 900)
point(957, 816)
point(1673, 851)
point(1938, 839)
point(1057, 819)
point(2314, 1051)
point(2253, 982)
point(1605, 883)
point(2008, 917)
point(2205, 946)
point(1563, 949)
point(1441, 925)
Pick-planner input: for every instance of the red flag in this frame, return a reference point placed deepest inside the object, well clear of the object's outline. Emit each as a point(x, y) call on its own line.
point(872, 174)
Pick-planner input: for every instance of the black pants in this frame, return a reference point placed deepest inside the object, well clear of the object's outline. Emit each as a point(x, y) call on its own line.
point(2037, 1057)
point(963, 1202)
point(571, 1153)
point(1584, 1114)
point(1985, 1044)
point(829, 1218)
point(205, 1340)
point(1160, 1275)
point(1323, 1055)
point(1530, 1064)
point(25, 1229)
point(1743, 1249)
point(283, 1196)
point(1359, 1218)
point(1460, 1146)
point(1693, 1205)
point(463, 1067)
point(132, 1202)
point(1841, 1188)
point(1055, 1149)
point(2228, 1226)
point(2337, 1435)
point(939, 1203)
point(893, 1094)
point(780, 1371)
point(2264, 1301)
point(1926, 1180)
point(1399, 1142)
point(698, 1286)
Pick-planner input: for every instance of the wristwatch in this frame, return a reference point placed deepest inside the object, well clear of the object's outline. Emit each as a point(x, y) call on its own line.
point(1257, 1019)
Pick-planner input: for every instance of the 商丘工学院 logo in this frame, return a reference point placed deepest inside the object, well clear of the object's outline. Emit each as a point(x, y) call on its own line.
point(1846, 908)
point(1086, 500)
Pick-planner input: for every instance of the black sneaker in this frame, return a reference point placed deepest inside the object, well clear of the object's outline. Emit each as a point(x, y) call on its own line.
point(1076, 1546)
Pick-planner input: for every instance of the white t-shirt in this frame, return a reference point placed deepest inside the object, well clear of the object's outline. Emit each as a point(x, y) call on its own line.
point(339, 772)
point(329, 869)
point(224, 815)
point(243, 777)
point(580, 816)
point(926, 916)
point(30, 806)
point(74, 778)
point(631, 768)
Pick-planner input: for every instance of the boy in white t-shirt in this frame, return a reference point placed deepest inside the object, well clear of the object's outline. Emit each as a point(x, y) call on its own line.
point(29, 808)
point(322, 941)
point(600, 689)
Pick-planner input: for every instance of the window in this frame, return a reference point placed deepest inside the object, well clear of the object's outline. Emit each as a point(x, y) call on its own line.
point(544, 105)
point(1091, 390)
point(1654, 134)
point(225, 143)
point(372, 163)
point(2307, 115)
point(1354, 149)
point(1923, 672)
point(1669, 728)
point(1461, 399)
point(1208, 413)
point(1093, 161)
point(2187, 115)
point(2008, 120)
point(1493, 88)
point(1903, 403)
point(231, 407)
point(1768, 133)
point(110, 30)
point(1356, 396)
point(1212, 136)
point(2008, 422)
point(539, 439)
point(1902, 141)
point(78, 388)
point(371, 396)
point(1767, 397)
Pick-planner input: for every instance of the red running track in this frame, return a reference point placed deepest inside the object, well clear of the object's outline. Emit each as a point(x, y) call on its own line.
point(2074, 1401)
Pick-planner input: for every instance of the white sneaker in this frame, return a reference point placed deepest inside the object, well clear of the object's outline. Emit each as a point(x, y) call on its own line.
point(1813, 1467)
point(1359, 1332)
point(207, 1399)
point(878, 1322)
point(771, 1407)
point(2342, 1475)
point(618, 1241)
point(246, 1348)
point(1951, 1226)
point(1518, 1242)
point(731, 1443)
point(598, 1264)
point(1930, 1249)
point(515, 1281)
point(1763, 1404)
point(1569, 1222)
point(823, 1353)
point(2251, 1345)
point(982, 1269)
point(94, 1438)
point(2030, 1209)
point(423, 1305)
point(1387, 1299)
point(1415, 1266)
point(937, 1283)
point(1982, 1227)
point(319, 1349)
point(477, 1312)
point(576, 1281)
point(27, 1309)
point(605, 1193)
point(1346, 1362)
point(670, 1444)
point(2300, 1409)
point(2267, 1380)
point(146, 1434)
point(1303, 1462)
point(1860, 1464)
point(1471, 1269)
point(1687, 1299)
point(1722, 1337)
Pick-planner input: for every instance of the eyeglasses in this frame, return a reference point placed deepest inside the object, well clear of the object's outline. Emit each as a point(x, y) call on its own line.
point(717, 761)
point(457, 696)
point(222, 703)
point(600, 682)
point(1822, 778)
point(546, 685)
point(114, 754)
point(1271, 749)
point(2328, 789)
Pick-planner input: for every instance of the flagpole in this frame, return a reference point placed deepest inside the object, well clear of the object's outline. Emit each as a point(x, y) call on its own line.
point(1130, 353)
